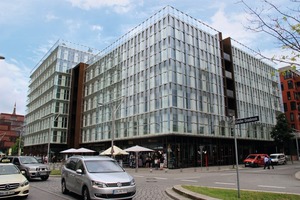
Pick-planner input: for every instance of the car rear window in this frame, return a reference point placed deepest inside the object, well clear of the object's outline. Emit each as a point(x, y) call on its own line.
point(103, 166)
point(251, 157)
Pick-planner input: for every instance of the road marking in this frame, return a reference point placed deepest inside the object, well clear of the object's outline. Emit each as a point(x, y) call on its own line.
point(189, 180)
point(271, 186)
point(222, 183)
point(138, 176)
point(229, 174)
point(160, 178)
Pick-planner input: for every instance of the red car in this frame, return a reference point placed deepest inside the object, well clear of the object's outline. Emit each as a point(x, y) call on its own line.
point(255, 160)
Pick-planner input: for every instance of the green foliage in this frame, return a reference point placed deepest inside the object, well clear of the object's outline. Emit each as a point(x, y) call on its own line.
point(55, 172)
point(229, 194)
point(15, 147)
point(282, 23)
point(282, 132)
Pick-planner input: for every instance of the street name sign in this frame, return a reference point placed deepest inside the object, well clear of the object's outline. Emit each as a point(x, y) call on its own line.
point(247, 120)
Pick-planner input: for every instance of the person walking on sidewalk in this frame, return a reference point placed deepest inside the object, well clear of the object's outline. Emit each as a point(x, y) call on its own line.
point(270, 163)
point(266, 161)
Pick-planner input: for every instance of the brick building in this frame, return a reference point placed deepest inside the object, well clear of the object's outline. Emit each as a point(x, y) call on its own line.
point(10, 128)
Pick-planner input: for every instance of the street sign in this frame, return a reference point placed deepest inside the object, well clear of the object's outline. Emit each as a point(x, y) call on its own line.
point(247, 120)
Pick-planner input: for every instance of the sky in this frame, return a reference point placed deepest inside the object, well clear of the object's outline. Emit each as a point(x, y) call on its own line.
point(29, 28)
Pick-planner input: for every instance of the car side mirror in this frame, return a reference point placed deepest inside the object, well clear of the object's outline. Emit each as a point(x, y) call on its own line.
point(79, 171)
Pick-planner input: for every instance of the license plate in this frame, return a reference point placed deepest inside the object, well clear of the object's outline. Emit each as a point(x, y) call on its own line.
point(119, 191)
point(43, 173)
point(7, 192)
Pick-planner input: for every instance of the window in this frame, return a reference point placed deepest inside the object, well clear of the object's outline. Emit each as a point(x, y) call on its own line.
point(293, 105)
point(285, 107)
point(288, 95)
point(292, 117)
point(290, 84)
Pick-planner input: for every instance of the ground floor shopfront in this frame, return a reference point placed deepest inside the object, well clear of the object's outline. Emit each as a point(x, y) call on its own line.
point(187, 151)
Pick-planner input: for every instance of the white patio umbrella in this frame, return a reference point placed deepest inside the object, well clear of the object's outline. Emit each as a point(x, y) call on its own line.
point(117, 151)
point(84, 150)
point(71, 150)
point(137, 149)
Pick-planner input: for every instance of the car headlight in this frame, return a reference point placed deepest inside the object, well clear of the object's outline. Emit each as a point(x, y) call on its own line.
point(24, 183)
point(132, 182)
point(98, 184)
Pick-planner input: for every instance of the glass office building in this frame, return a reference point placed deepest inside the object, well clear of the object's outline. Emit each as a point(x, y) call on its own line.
point(49, 97)
point(173, 84)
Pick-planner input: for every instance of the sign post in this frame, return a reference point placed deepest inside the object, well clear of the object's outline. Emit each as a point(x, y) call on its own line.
point(235, 122)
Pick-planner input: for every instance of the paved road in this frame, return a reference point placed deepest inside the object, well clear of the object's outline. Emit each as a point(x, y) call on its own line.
point(152, 184)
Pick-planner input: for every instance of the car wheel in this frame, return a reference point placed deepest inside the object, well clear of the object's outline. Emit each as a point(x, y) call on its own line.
point(64, 189)
point(44, 177)
point(85, 194)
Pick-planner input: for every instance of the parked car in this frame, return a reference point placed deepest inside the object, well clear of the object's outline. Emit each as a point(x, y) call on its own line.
point(255, 160)
point(96, 177)
point(12, 182)
point(278, 158)
point(30, 167)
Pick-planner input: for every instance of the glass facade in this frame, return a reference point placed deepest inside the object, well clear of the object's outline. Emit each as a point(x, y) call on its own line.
point(165, 77)
point(49, 96)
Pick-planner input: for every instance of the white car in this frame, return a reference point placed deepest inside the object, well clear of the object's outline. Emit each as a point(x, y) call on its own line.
point(278, 158)
point(96, 177)
point(12, 182)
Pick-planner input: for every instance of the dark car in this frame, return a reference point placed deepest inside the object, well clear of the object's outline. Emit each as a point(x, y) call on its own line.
point(30, 166)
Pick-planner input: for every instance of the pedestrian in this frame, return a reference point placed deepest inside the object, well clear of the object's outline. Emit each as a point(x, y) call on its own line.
point(266, 161)
point(270, 163)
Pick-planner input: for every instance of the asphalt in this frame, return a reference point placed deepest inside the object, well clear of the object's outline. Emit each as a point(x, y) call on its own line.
point(179, 193)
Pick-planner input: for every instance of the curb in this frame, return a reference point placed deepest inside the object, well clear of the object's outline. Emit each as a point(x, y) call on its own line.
point(180, 193)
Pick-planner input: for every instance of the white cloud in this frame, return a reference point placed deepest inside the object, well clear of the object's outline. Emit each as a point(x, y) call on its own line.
point(51, 17)
point(96, 28)
point(233, 25)
point(14, 86)
point(119, 6)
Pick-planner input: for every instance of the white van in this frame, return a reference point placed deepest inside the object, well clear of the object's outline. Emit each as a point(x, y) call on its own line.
point(278, 158)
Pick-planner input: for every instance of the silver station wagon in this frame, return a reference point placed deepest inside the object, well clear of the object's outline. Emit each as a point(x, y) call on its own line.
point(96, 177)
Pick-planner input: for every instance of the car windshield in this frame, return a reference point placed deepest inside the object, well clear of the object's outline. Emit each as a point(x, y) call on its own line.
point(8, 169)
point(273, 156)
point(28, 160)
point(103, 166)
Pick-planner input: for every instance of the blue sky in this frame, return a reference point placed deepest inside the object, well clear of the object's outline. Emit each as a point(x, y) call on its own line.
point(29, 28)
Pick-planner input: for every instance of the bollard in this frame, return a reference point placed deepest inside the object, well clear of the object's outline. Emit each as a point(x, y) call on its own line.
point(150, 170)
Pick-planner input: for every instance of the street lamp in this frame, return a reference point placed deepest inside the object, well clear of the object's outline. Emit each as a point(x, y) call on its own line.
point(236, 153)
point(49, 132)
point(297, 146)
point(114, 109)
point(2, 57)
point(21, 130)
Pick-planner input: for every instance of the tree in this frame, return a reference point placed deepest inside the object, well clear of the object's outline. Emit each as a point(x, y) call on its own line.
point(15, 147)
point(282, 132)
point(283, 25)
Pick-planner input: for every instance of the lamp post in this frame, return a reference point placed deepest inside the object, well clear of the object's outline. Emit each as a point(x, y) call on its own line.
point(114, 109)
point(297, 145)
point(49, 132)
point(236, 154)
point(21, 130)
